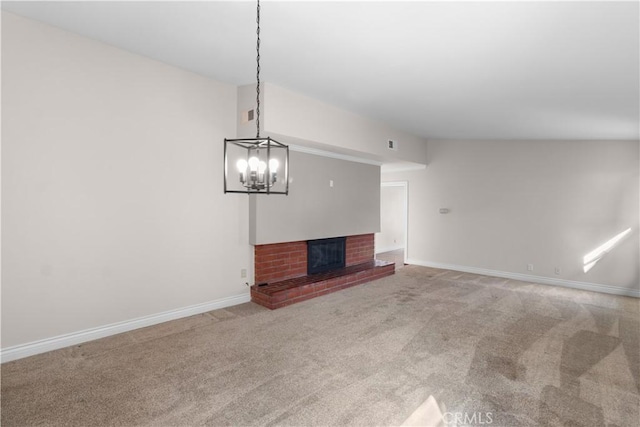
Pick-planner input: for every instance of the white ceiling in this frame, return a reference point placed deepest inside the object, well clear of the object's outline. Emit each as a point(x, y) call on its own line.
point(470, 70)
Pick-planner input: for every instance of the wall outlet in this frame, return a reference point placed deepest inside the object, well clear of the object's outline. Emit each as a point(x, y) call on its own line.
point(243, 273)
point(392, 145)
point(558, 270)
point(529, 267)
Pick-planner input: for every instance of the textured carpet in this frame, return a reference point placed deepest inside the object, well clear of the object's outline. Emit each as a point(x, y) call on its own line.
point(421, 347)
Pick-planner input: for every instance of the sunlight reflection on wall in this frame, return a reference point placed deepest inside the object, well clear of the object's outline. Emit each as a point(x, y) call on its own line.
point(596, 255)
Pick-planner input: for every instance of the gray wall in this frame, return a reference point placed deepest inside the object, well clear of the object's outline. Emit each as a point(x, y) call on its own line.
point(112, 201)
point(315, 210)
point(513, 203)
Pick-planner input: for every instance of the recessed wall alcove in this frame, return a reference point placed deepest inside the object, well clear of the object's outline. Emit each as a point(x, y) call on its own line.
point(329, 200)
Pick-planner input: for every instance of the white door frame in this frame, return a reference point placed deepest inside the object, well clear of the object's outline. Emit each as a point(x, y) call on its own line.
point(405, 213)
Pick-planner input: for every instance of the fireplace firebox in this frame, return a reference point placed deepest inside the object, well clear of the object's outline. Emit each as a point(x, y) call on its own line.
point(325, 254)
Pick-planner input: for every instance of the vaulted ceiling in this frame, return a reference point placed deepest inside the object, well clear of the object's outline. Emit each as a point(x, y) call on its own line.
point(444, 70)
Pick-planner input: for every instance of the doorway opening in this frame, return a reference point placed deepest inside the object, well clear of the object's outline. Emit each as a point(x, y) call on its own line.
point(391, 243)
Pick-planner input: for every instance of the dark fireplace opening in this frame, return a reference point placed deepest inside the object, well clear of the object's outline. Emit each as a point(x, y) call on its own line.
point(325, 254)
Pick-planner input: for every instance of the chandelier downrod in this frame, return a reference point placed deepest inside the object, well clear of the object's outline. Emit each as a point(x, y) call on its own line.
point(258, 71)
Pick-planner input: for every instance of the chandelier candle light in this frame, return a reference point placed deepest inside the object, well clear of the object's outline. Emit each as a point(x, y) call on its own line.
point(257, 160)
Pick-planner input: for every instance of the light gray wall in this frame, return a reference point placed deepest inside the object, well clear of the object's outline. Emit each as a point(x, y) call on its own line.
point(313, 209)
point(111, 186)
point(546, 203)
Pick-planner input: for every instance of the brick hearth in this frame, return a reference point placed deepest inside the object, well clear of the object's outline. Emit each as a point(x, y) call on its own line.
point(291, 291)
point(283, 267)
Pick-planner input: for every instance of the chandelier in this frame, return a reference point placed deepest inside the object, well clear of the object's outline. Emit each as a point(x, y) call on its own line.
point(258, 161)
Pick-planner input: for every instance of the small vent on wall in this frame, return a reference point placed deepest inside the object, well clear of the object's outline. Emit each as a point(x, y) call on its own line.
point(392, 145)
point(247, 116)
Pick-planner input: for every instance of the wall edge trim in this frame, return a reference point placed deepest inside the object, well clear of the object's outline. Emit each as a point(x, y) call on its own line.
point(61, 341)
point(404, 168)
point(333, 155)
point(388, 249)
point(585, 286)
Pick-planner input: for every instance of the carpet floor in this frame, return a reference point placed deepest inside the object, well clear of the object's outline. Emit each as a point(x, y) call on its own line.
point(422, 347)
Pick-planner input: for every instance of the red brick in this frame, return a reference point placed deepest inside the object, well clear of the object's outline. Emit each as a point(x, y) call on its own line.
point(326, 291)
point(308, 289)
point(284, 265)
point(292, 293)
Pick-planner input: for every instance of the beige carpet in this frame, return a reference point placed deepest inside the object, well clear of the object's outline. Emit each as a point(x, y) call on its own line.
point(413, 348)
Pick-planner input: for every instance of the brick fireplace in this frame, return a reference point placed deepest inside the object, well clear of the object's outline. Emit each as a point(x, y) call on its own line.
point(281, 271)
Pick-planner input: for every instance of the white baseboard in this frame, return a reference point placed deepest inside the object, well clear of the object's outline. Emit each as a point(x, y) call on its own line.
point(42, 346)
point(595, 287)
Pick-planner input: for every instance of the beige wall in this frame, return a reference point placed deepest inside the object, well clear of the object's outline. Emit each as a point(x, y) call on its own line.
point(320, 125)
point(246, 102)
point(112, 195)
point(513, 203)
point(313, 209)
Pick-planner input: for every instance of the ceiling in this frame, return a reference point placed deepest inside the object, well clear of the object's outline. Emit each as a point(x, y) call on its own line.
point(441, 70)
